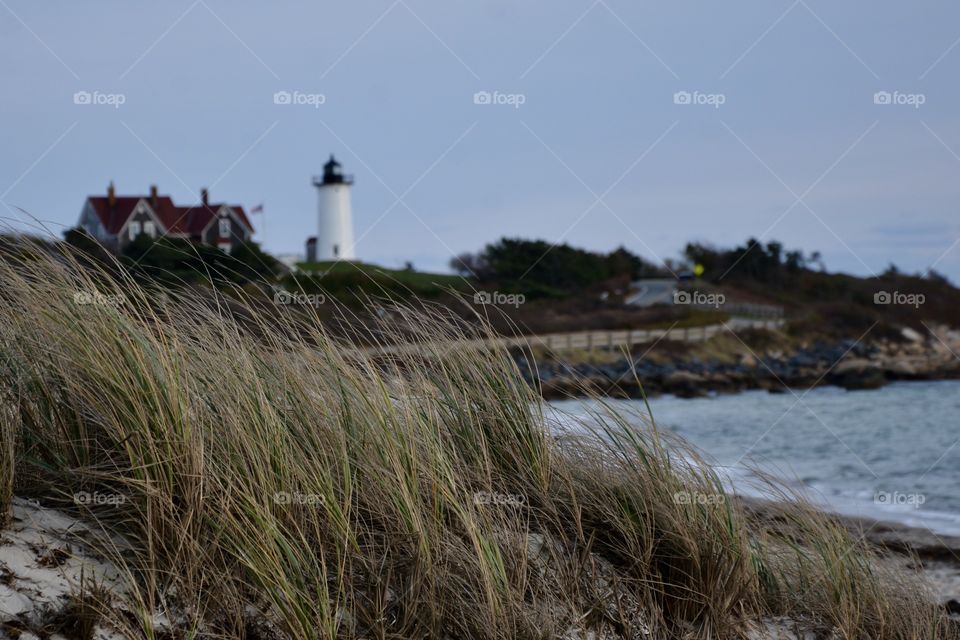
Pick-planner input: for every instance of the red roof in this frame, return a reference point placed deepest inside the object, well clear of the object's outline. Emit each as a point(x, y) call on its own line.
point(196, 219)
point(113, 218)
point(175, 220)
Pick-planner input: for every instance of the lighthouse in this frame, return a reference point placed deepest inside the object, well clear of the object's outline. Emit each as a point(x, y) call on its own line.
point(334, 218)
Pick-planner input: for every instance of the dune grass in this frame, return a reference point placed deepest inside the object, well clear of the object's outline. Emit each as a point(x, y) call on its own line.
point(275, 483)
point(7, 451)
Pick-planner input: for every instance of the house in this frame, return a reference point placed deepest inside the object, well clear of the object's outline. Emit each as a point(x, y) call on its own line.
point(117, 220)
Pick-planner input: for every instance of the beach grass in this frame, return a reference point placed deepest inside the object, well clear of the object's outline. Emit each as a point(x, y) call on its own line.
point(8, 448)
point(269, 479)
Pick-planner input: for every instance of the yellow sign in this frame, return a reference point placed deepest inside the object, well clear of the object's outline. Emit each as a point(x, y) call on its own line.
point(698, 270)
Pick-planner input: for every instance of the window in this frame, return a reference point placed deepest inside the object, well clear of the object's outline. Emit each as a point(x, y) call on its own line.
point(150, 228)
point(224, 227)
point(224, 246)
point(134, 229)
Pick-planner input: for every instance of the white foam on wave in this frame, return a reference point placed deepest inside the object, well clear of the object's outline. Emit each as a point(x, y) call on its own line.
point(864, 504)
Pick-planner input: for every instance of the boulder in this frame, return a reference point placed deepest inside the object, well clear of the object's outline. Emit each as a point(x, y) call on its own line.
point(901, 368)
point(685, 384)
point(911, 334)
point(857, 373)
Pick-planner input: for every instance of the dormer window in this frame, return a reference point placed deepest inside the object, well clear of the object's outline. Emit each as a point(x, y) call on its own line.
point(224, 227)
point(134, 229)
point(150, 228)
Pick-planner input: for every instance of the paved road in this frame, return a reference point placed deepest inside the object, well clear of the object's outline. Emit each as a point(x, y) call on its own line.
point(651, 292)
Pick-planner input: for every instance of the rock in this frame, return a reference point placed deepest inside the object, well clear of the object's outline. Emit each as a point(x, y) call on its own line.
point(345, 622)
point(682, 378)
point(901, 368)
point(685, 384)
point(803, 360)
point(537, 553)
point(12, 603)
point(614, 371)
point(857, 373)
point(780, 629)
point(872, 378)
point(911, 335)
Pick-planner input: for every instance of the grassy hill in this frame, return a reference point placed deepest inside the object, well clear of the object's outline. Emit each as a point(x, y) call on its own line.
point(569, 289)
point(343, 278)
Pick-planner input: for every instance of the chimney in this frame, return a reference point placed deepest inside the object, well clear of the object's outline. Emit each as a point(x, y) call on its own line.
point(153, 195)
point(204, 197)
point(111, 195)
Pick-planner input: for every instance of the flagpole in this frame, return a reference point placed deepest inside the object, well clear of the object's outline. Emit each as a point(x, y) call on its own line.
point(263, 213)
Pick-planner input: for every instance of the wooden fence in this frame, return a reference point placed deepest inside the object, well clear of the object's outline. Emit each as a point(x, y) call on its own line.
point(591, 340)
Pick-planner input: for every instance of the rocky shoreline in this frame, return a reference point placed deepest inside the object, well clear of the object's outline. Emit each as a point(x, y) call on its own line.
point(697, 372)
point(935, 556)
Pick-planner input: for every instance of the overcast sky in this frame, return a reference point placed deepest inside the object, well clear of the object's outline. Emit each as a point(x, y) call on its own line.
point(782, 136)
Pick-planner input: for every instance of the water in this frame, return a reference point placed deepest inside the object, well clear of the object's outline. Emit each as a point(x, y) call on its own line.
point(891, 453)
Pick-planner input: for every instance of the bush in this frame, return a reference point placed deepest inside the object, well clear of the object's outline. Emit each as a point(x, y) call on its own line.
point(538, 263)
point(177, 260)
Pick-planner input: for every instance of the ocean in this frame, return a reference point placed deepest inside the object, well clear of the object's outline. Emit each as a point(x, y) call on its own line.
point(889, 454)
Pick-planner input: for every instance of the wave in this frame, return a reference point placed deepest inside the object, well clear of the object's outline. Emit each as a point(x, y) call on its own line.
point(574, 419)
point(865, 504)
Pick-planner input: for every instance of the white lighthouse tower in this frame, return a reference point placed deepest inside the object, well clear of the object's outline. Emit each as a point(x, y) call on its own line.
point(335, 219)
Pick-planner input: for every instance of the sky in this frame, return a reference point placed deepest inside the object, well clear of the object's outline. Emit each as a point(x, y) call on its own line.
point(830, 127)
